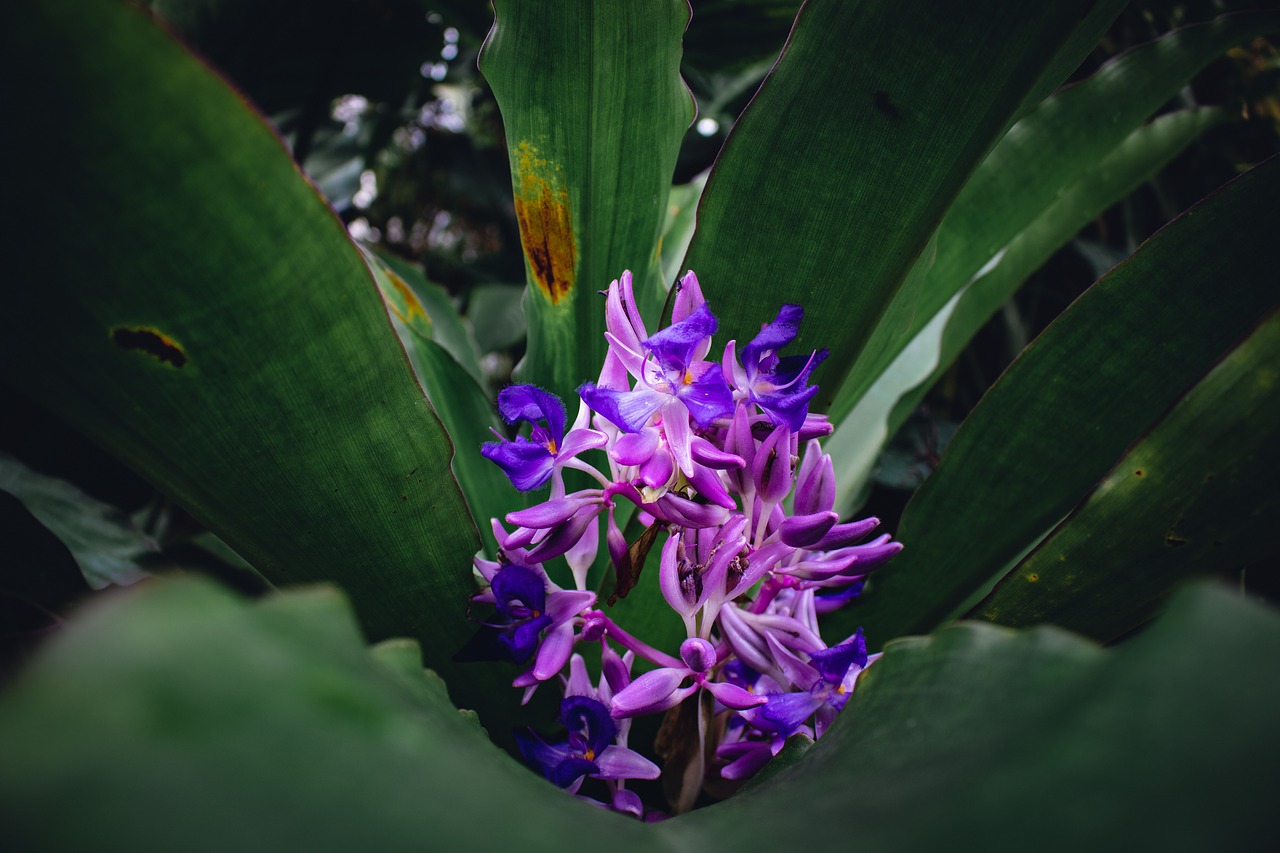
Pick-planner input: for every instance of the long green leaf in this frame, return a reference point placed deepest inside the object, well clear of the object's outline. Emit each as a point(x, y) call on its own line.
point(190, 302)
point(833, 180)
point(1071, 404)
point(985, 739)
point(1196, 495)
point(176, 717)
point(467, 414)
point(888, 402)
point(1046, 156)
point(594, 112)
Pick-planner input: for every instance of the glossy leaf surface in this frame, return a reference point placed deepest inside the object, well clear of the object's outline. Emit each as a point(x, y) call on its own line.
point(833, 180)
point(1070, 405)
point(594, 111)
point(199, 311)
point(1048, 177)
point(1194, 496)
point(176, 716)
point(898, 390)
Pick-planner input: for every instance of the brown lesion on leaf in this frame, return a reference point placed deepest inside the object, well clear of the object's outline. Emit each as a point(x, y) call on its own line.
point(546, 224)
point(153, 342)
point(413, 309)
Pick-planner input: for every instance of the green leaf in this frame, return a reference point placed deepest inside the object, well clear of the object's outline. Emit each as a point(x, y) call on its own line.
point(1195, 495)
point(980, 738)
point(835, 177)
point(106, 545)
point(1057, 169)
point(420, 300)
point(181, 717)
point(917, 366)
point(192, 304)
point(677, 231)
point(467, 414)
point(177, 717)
point(1070, 405)
point(594, 111)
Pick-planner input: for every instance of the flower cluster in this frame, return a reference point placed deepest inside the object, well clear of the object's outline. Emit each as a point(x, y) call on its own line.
point(723, 457)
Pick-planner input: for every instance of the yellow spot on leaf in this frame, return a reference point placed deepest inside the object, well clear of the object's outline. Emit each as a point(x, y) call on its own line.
point(412, 309)
point(546, 225)
point(1033, 577)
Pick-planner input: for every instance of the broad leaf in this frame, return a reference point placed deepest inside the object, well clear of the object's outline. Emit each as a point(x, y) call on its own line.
point(1017, 194)
point(191, 303)
point(983, 739)
point(594, 111)
point(1196, 495)
point(898, 390)
point(835, 177)
point(175, 716)
point(1070, 405)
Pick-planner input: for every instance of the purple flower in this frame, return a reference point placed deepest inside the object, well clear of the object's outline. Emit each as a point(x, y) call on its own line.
point(532, 616)
point(660, 689)
point(828, 680)
point(778, 385)
point(529, 462)
point(589, 750)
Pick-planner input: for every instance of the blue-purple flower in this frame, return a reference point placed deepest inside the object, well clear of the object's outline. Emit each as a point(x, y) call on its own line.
point(777, 384)
point(589, 750)
point(530, 462)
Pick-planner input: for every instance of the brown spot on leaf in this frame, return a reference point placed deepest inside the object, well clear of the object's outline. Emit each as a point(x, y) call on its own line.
point(546, 225)
point(412, 305)
point(154, 343)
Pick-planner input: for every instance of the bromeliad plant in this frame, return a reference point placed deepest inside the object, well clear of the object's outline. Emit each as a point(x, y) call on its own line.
point(189, 301)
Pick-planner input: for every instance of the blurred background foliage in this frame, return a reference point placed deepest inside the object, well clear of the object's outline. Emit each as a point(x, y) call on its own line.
point(381, 105)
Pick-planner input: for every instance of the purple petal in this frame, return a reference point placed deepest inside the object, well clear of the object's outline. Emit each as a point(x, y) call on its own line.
point(579, 440)
point(627, 802)
point(540, 754)
point(677, 510)
point(815, 482)
point(773, 337)
point(567, 603)
point(705, 393)
point(706, 453)
point(674, 346)
point(788, 711)
point(657, 471)
point(708, 485)
point(843, 535)
point(563, 536)
point(515, 583)
point(689, 298)
point(733, 696)
point(834, 663)
point(771, 469)
point(527, 464)
point(588, 721)
point(754, 756)
point(550, 513)
point(635, 448)
point(698, 654)
point(531, 404)
point(618, 762)
point(523, 639)
point(656, 690)
point(627, 410)
point(571, 770)
point(802, 531)
point(554, 652)
point(815, 426)
point(830, 603)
